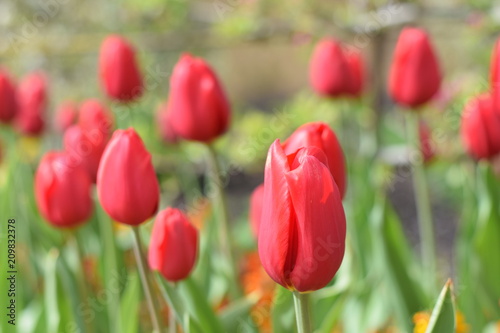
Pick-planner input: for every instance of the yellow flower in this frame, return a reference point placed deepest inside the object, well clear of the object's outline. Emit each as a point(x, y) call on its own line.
point(421, 320)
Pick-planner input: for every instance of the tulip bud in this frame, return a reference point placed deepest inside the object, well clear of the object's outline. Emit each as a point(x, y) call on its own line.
point(66, 115)
point(495, 75)
point(62, 191)
point(414, 75)
point(329, 71)
point(357, 69)
point(84, 149)
point(95, 120)
point(119, 73)
point(126, 181)
point(174, 245)
point(302, 230)
point(256, 208)
point(165, 125)
point(320, 135)
point(8, 99)
point(481, 128)
point(32, 99)
point(197, 104)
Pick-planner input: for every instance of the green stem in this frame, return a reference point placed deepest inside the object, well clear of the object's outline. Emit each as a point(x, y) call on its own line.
point(302, 312)
point(424, 211)
point(146, 283)
point(172, 326)
point(82, 283)
point(220, 199)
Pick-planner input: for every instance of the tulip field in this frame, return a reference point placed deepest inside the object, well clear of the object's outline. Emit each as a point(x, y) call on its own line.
point(249, 166)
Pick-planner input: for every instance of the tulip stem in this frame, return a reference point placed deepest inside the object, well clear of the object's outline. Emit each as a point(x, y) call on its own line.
point(146, 283)
point(302, 312)
point(424, 210)
point(220, 198)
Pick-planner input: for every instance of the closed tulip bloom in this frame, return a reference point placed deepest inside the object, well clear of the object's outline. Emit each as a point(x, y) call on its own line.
point(8, 98)
point(414, 76)
point(256, 208)
point(357, 69)
point(32, 99)
point(62, 191)
point(66, 115)
point(174, 245)
point(320, 135)
point(329, 71)
point(126, 181)
point(95, 120)
point(84, 149)
point(495, 75)
point(481, 128)
point(197, 103)
point(303, 227)
point(118, 69)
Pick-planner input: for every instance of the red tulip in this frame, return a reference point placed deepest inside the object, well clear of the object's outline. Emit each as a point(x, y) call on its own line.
point(32, 99)
point(495, 75)
point(165, 125)
point(256, 208)
point(415, 76)
point(329, 71)
point(357, 69)
point(320, 135)
point(481, 128)
point(126, 181)
point(95, 120)
point(84, 149)
point(426, 145)
point(66, 115)
point(62, 190)
point(119, 73)
point(302, 231)
point(8, 100)
point(173, 246)
point(197, 103)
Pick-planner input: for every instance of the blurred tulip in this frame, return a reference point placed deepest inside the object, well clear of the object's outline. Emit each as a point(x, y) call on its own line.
point(8, 98)
point(174, 245)
point(357, 69)
point(118, 69)
point(95, 120)
point(414, 76)
point(62, 190)
point(126, 181)
point(84, 149)
point(320, 135)
point(256, 208)
point(165, 125)
point(481, 128)
point(303, 227)
point(66, 115)
point(495, 75)
point(32, 101)
point(329, 70)
point(197, 104)
point(426, 145)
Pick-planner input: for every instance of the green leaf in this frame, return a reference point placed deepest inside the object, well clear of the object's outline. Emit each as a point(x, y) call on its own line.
point(52, 314)
point(443, 316)
point(130, 304)
point(236, 314)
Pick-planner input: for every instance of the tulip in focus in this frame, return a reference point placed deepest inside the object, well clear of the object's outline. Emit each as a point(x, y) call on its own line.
point(118, 70)
point(8, 98)
point(126, 181)
point(481, 128)
point(66, 115)
point(174, 245)
point(320, 135)
point(62, 191)
point(197, 103)
point(256, 208)
point(414, 76)
point(303, 228)
point(32, 101)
